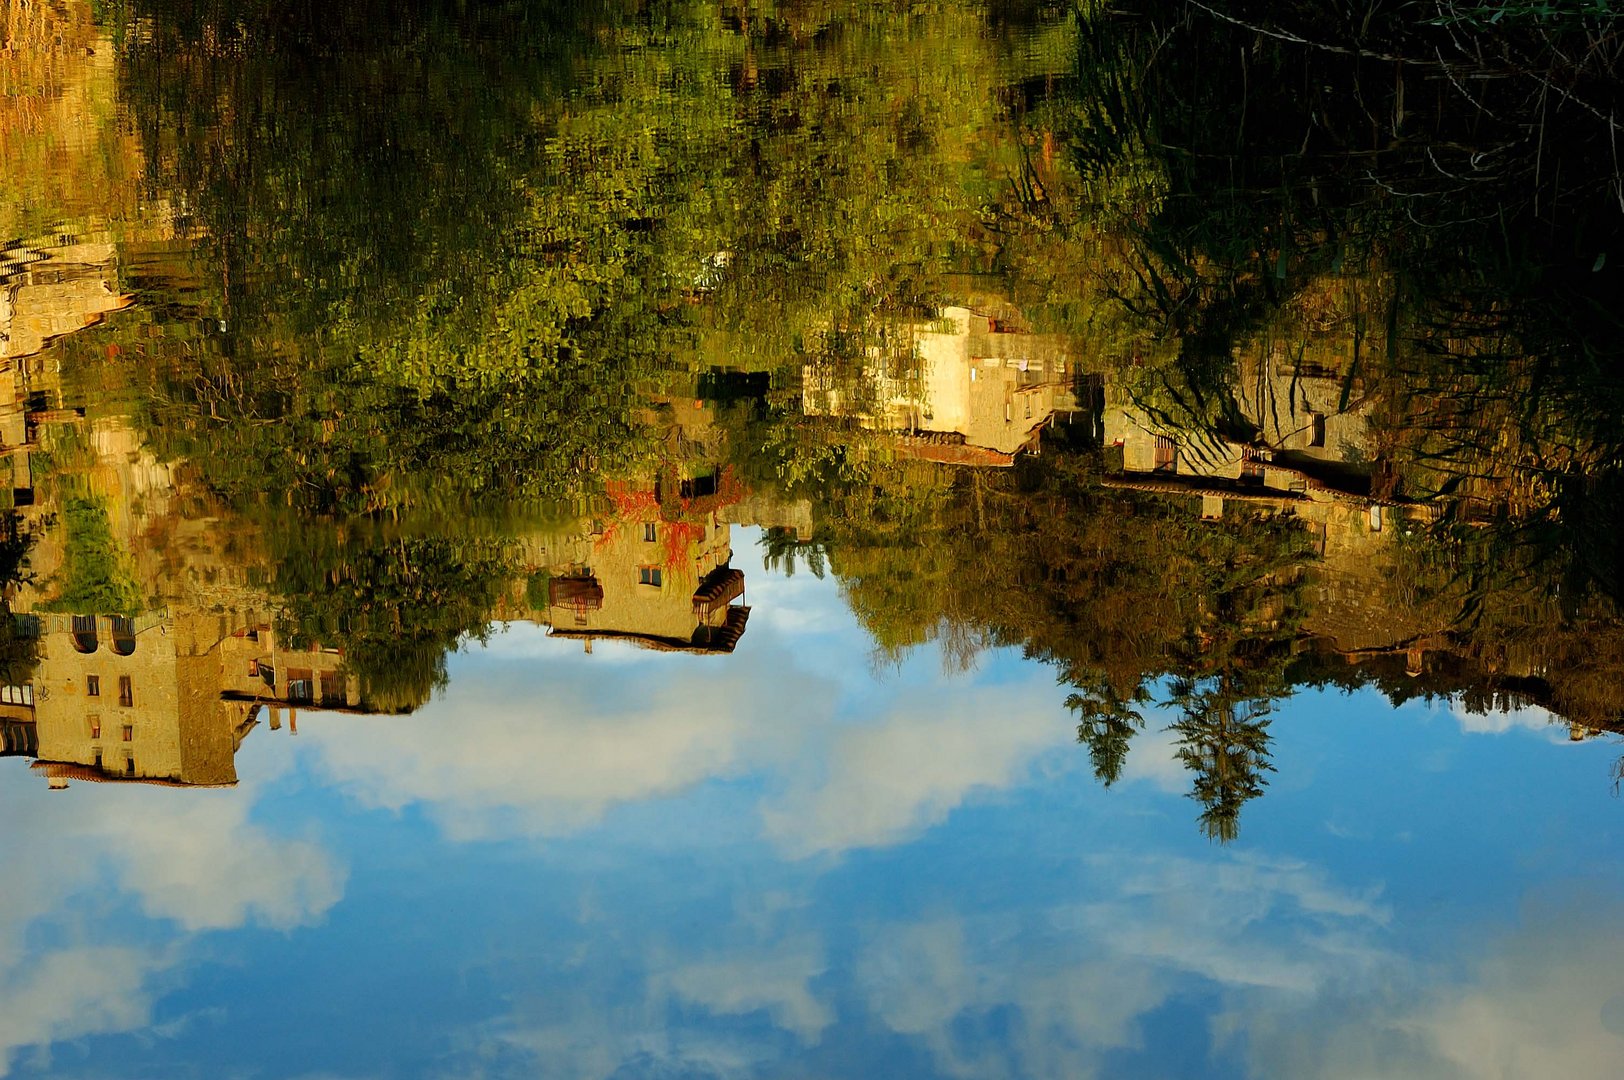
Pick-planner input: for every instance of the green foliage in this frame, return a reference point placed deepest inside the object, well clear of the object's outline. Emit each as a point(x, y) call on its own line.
point(1223, 740)
point(393, 605)
point(96, 578)
point(450, 254)
point(1479, 16)
point(430, 297)
point(1118, 590)
point(19, 648)
point(782, 549)
point(1107, 724)
point(536, 593)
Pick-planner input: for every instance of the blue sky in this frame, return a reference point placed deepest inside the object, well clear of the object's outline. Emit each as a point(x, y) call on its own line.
point(789, 862)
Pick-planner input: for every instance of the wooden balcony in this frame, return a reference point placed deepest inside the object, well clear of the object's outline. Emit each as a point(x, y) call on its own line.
point(581, 593)
point(718, 589)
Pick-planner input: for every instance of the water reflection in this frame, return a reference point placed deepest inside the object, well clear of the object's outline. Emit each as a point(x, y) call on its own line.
point(396, 405)
point(517, 434)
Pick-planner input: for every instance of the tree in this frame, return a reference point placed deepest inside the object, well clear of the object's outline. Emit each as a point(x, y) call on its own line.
point(1223, 739)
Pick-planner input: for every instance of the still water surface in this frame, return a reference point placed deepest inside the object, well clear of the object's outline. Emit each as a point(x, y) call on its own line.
point(816, 540)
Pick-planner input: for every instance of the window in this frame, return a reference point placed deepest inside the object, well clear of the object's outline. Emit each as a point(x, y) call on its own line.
point(128, 733)
point(699, 486)
point(93, 685)
point(332, 688)
point(1316, 429)
point(98, 757)
point(253, 668)
point(301, 686)
point(84, 633)
point(129, 765)
point(95, 726)
point(17, 695)
point(1166, 454)
point(126, 696)
point(648, 575)
point(651, 531)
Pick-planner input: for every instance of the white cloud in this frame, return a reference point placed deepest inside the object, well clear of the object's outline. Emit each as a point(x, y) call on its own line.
point(1545, 1000)
point(844, 768)
point(1153, 759)
point(1073, 980)
point(775, 980)
point(795, 606)
point(922, 980)
point(1208, 918)
point(73, 992)
point(191, 859)
point(195, 858)
point(495, 757)
point(886, 783)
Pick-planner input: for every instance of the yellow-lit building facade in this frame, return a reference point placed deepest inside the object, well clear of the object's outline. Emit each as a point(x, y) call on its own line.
point(656, 572)
point(967, 378)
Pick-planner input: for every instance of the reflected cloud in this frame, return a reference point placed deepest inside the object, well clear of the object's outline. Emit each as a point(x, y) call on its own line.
point(201, 863)
point(775, 981)
point(1207, 918)
point(796, 606)
point(1538, 1001)
point(74, 992)
point(887, 783)
point(73, 961)
point(940, 981)
point(1154, 759)
point(493, 758)
point(1074, 982)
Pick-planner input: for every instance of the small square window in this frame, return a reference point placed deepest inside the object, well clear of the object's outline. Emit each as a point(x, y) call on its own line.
point(253, 668)
point(126, 695)
point(93, 685)
point(128, 733)
point(95, 727)
point(648, 575)
point(651, 531)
